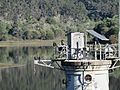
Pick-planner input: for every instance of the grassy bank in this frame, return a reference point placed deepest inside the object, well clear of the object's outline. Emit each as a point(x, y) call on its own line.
point(5, 65)
point(28, 43)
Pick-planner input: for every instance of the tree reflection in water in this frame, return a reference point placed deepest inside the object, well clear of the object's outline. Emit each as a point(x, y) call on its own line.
point(26, 78)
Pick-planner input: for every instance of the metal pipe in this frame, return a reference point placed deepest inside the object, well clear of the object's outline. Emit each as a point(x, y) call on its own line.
point(119, 33)
point(95, 50)
point(83, 80)
point(100, 51)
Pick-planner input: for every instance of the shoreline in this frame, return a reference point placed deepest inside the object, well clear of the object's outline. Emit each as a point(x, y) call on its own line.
point(7, 65)
point(28, 43)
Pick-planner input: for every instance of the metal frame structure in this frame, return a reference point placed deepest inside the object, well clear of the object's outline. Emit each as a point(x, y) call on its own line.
point(76, 67)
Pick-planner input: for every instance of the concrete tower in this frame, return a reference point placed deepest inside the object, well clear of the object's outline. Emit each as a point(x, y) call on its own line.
point(86, 65)
point(83, 72)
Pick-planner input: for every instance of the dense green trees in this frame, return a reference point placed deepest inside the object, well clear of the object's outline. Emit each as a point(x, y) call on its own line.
point(4, 27)
point(22, 9)
point(49, 19)
point(109, 28)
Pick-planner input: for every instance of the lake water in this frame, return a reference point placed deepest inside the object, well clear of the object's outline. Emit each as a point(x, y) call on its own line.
point(28, 77)
point(25, 77)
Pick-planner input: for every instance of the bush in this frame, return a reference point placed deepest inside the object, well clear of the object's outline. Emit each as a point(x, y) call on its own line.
point(113, 39)
point(49, 34)
point(43, 34)
point(27, 35)
point(109, 28)
point(50, 20)
point(58, 32)
point(35, 34)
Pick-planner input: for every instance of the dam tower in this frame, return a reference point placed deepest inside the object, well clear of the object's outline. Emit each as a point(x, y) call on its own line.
point(86, 64)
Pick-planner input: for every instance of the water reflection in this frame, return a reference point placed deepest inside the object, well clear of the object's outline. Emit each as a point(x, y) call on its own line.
point(19, 55)
point(26, 78)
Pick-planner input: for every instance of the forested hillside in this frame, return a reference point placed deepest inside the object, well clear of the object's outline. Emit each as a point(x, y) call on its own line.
point(50, 19)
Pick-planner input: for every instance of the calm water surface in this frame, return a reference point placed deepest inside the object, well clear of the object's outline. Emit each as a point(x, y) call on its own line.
point(29, 78)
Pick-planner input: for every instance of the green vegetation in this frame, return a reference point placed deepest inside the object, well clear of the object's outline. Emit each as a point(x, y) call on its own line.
point(51, 19)
point(109, 27)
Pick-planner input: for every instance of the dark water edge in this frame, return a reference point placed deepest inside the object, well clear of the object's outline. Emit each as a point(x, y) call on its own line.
point(30, 78)
point(114, 83)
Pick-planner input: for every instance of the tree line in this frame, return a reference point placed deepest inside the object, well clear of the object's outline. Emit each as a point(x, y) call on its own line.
point(50, 19)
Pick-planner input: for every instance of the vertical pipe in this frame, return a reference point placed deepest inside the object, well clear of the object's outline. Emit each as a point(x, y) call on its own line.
point(119, 42)
point(95, 51)
point(77, 50)
point(67, 56)
point(119, 33)
point(85, 39)
point(83, 80)
point(100, 51)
